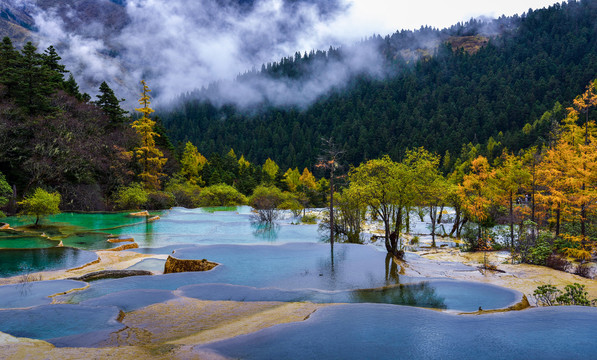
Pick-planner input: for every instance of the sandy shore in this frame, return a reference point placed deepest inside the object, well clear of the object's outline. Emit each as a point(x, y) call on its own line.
point(522, 277)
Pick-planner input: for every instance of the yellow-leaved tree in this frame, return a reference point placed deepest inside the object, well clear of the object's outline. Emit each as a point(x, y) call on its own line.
point(476, 192)
point(568, 175)
point(148, 155)
point(191, 164)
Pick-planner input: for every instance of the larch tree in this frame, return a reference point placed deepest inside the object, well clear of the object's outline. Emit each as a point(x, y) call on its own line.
point(512, 176)
point(568, 176)
point(292, 179)
point(271, 169)
point(150, 158)
point(192, 163)
point(476, 192)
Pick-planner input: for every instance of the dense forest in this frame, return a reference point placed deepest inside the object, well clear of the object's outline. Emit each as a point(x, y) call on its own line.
point(450, 97)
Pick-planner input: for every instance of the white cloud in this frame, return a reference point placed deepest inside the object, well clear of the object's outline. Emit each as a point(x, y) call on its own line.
point(179, 45)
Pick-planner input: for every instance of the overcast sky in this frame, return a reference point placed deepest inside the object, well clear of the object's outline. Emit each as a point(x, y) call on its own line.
point(365, 17)
point(182, 45)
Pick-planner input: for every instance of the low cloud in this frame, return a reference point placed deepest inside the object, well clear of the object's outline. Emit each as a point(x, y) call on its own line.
point(178, 46)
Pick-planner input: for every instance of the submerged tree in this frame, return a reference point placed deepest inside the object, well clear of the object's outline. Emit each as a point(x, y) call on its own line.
point(329, 160)
point(266, 200)
point(149, 156)
point(377, 181)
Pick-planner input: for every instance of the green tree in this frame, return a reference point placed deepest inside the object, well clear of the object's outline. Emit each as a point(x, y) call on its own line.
point(51, 63)
point(271, 169)
point(292, 179)
point(266, 200)
point(192, 163)
point(8, 64)
point(110, 105)
point(376, 181)
point(511, 177)
point(149, 156)
point(5, 192)
point(221, 195)
point(350, 215)
point(34, 86)
point(41, 203)
point(431, 187)
point(131, 197)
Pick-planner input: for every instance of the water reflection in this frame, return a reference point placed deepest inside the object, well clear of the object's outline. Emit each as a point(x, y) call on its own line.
point(392, 275)
point(420, 294)
point(149, 241)
point(12, 261)
point(265, 230)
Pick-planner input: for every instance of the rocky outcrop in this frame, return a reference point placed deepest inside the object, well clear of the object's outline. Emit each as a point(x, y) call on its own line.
point(117, 240)
point(140, 213)
point(174, 265)
point(111, 274)
point(124, 247)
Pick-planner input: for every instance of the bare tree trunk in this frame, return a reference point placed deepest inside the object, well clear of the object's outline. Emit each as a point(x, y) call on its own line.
point(433, 216)
point(332, 208)
point(558, 215)
point(511, 222)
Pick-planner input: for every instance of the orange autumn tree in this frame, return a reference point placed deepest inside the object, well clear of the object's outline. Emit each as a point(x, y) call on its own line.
point(568, 175)
point(476, 191)
point(148, 155)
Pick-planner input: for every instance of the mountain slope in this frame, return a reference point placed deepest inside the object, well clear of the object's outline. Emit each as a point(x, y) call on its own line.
point(440, 102)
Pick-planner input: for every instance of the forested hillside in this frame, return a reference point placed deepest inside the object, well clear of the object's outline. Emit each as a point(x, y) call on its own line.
point(52, 136)
point(449, 98)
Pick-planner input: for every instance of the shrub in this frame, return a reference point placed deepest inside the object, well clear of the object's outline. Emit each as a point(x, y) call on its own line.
point(131, 197)
point(160, 200)
point(546, 295)
point(221, 195)
point(539, 253)
point(309, 219)
point(415, 240)
point(293, 205)
point(575, 294)
point(266, 200)
point(185, 194)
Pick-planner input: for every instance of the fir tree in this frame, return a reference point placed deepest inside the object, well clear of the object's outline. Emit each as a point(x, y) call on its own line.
point(110, 105)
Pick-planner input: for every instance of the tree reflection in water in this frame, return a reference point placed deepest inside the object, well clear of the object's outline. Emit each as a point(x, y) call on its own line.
point(266, 230)
point(421, 294)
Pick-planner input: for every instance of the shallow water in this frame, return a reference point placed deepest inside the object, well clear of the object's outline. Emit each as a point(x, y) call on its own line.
point(23, 261)
point(368, 331)
point(281, 263)
point(25, 242)
point(61, 323)
point(28, 294)
point(305, 272)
